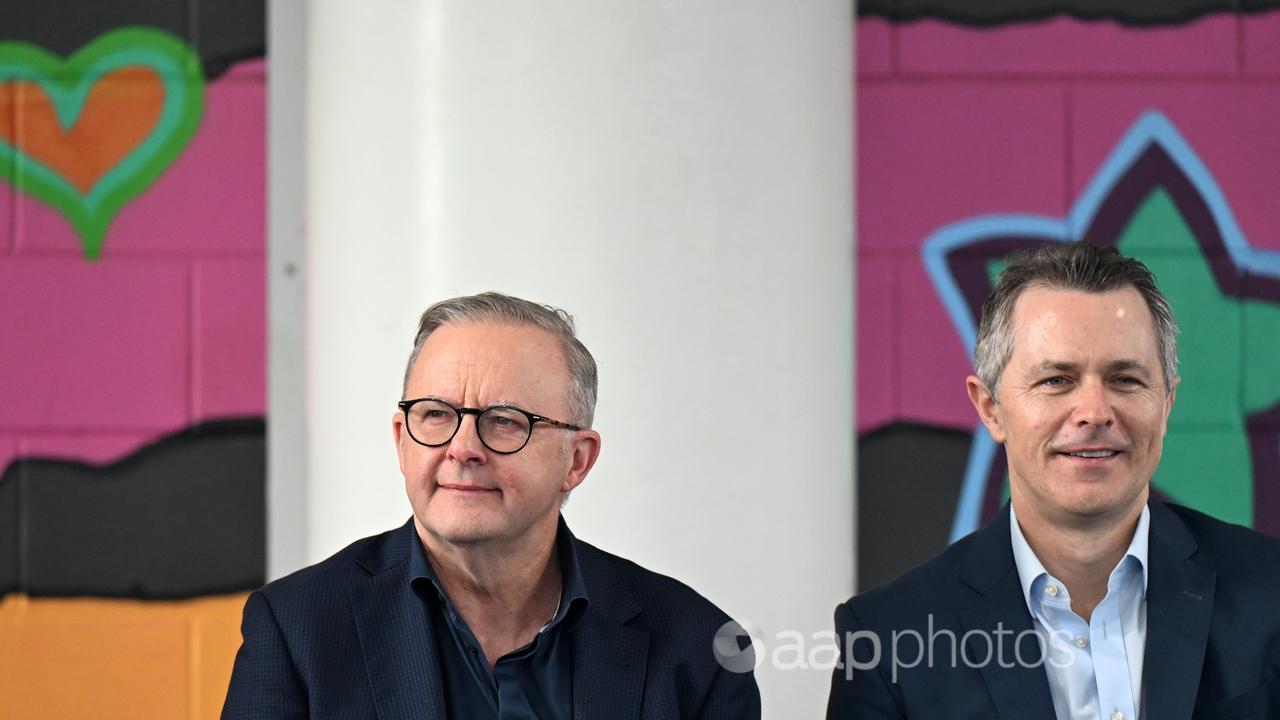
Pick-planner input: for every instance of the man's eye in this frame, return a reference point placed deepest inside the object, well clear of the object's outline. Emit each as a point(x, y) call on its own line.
point(1056, 381)
point(435, 415)
point(1127, 380)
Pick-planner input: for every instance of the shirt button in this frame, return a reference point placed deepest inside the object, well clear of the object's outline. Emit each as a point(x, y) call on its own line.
point(1051, 590)
point(1081, 642)
point(1117, 715)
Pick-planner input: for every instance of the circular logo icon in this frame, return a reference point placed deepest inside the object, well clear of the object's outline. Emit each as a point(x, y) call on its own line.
point(735, 647)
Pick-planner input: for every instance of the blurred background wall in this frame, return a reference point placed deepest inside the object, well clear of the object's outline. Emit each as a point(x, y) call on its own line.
point(677, 177)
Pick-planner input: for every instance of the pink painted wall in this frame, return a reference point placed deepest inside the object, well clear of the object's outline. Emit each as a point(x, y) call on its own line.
point(168, 328)
point(955, 122)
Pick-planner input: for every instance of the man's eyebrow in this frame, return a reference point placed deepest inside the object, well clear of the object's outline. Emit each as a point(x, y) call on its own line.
point(505, 403)
point(1128, 366)
point(441, 399)
point(1054, 365)
point(1124, 365)
point(493, 403)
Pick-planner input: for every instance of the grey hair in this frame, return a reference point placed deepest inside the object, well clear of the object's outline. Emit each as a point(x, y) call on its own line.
point(498, 309)
point(1068, 266)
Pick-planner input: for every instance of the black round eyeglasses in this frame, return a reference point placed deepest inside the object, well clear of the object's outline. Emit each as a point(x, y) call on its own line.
point(502, 428)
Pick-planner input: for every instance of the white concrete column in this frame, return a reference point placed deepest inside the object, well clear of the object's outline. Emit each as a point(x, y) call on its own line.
point(367, 119)
point(678, 176)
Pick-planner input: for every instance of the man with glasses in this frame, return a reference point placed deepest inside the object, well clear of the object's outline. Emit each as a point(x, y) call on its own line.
point(484, 605)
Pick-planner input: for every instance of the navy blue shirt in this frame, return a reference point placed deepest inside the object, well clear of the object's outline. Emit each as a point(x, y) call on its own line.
point(534, 682)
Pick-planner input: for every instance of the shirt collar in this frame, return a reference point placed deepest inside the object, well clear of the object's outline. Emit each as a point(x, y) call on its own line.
point(573, 591)
point(1030, 568)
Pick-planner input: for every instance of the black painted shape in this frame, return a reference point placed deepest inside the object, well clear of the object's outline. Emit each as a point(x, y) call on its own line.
point(8, 536)
point(228, 31)
point(183, 517)
point(1264, 439)
point(909, 479)
point(985, 13)
point(221, 31)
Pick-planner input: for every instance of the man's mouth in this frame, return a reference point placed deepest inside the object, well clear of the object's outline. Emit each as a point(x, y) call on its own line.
point(471, 489)
point(1093, 453)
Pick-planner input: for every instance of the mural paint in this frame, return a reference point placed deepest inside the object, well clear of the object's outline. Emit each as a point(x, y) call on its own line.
point(992, 12)
point(975, 141)
point(133, 312)
point(1154, 200)
point(160, 530)
point(88, 134)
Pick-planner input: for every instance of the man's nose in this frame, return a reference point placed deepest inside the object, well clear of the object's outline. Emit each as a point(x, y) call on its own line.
point(465, 447)
point(1093, 405)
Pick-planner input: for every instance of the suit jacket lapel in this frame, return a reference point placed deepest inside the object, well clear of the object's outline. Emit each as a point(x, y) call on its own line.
point(1001, 615)
point(399, 648)
point(1180, 591)
point(610, 657)
point(609, 665)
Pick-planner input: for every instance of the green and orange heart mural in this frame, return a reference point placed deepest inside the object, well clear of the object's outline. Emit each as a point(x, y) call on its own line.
point(88, 134)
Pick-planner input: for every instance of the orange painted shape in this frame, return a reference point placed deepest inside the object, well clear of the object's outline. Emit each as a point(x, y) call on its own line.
point(88, 657)
point(217, 638)
point(8, 111)
point(119, 112)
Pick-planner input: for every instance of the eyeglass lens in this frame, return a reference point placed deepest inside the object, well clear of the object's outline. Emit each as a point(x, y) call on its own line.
point(502, 429)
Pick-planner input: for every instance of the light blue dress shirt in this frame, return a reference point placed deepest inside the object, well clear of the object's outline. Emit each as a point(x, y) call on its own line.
point(1094, 668)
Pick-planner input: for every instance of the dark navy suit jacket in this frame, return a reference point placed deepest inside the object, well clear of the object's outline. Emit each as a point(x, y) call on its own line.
point(348, 638)
point(1213, 631)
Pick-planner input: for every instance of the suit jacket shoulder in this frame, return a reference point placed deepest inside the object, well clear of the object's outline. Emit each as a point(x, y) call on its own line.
point(316, 598)
point(302, 654)
point(1235, 552)
point(667, 603)
point(347, 638)
point(939, 585)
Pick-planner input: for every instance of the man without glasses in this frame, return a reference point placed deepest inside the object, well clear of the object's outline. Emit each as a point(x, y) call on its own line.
point(1085, 597)
point(484, 605)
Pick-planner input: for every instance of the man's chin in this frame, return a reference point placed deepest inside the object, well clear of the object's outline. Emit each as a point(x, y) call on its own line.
point(1098, 506)
point(471, 532)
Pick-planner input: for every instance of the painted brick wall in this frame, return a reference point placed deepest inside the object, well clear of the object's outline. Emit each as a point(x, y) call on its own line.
point(99, 357)
point(168, 328)
point(956, 123)
point(125, 659)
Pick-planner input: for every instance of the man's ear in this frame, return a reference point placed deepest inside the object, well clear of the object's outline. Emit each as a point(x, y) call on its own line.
point(1168, 406)
point(584, 449)
point(985, 403)
point(401, 436)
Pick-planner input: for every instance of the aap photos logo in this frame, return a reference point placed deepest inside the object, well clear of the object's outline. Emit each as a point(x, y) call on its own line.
point(742, 649)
